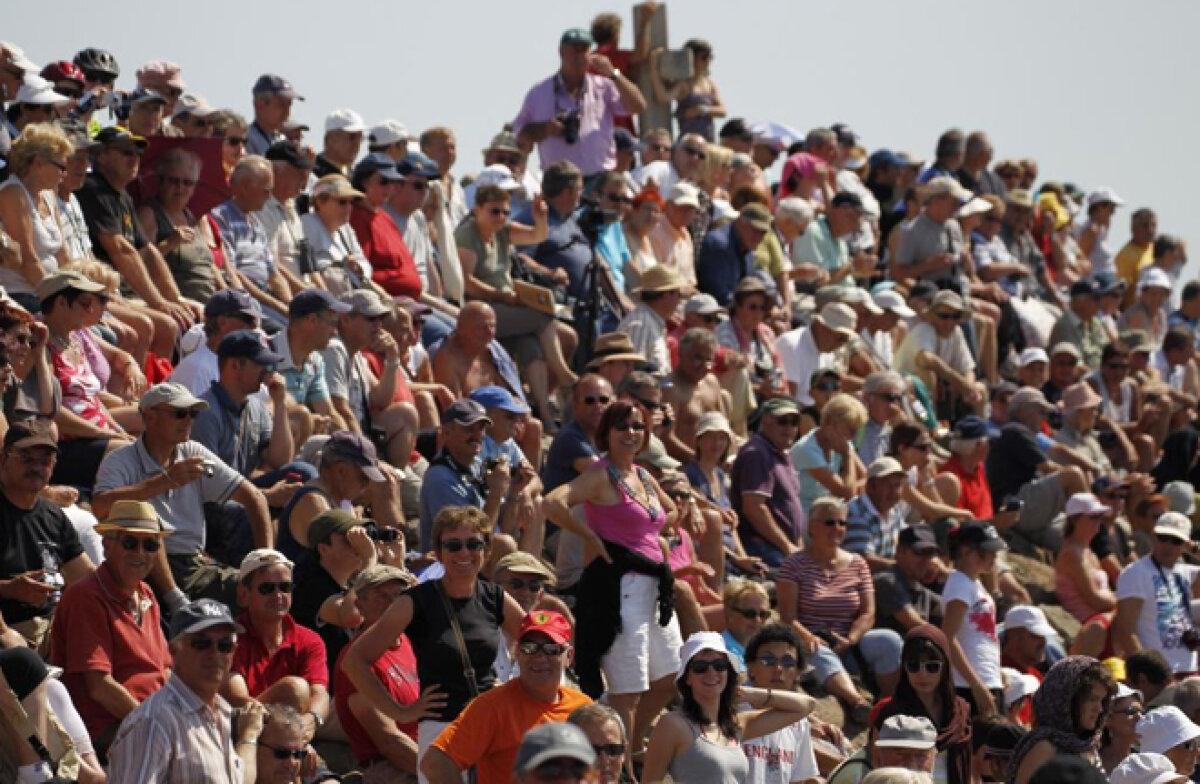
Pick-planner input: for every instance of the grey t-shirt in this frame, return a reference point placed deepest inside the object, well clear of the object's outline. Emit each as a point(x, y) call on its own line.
point(346, 377)
point(924, 238)
point(893, 593)
point(182, 507)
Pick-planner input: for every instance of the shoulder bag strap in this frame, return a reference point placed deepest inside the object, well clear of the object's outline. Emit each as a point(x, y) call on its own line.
point(468, 669)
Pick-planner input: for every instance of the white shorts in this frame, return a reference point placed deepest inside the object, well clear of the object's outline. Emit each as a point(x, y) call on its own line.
point(427, 732)
point(644, 651)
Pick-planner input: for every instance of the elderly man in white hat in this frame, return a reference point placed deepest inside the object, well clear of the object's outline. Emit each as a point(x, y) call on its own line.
point(936, 351)
point(344, 129)
point(908, 742)
point(874, 517)
point(805, 350)
point(1169, 732)
point(1154, 598)
point(1146, 768)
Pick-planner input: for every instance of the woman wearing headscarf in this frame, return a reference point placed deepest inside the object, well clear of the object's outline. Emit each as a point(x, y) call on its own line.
point(1069, 713)
point(807, 176)
point(926, 689)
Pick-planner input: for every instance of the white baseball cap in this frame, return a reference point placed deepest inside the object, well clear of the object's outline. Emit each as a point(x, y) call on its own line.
point(387, 133)
point(1104, 195)
point(1031, 355)
point(1032, 619)
point(976, 206)
point(36, 90)
point(1154, 277)
point(839, 318)
point(18, 59)
point(891, 301)
point(257, 559)
point(1162, 729)
point(684, 194)
point(1020, 684)
point(853, 295)
point(1124, 691)
point(1085, 504)
point(1145, 768)
point(346, 120)
point(1173, 524)
point(499, 175)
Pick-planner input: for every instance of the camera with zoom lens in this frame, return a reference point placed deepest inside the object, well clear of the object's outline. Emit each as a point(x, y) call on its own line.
point(379, 534)
point(570, 123)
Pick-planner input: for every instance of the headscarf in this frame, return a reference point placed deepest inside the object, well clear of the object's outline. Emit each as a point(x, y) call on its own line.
point(954, 735)
point(803, 165)
point(1053, 718)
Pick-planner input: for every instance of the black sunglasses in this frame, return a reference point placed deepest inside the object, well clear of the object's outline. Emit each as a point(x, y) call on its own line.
point(544, 648)
point(182, 413)
point(474, 544)
point(700, 667)
point(609, 749)
point(267, 589)
point(150, 545)
point(282, 753)
point(533, 584)
point(890, 397)
point(625, 427)
point(929, 667)
point(753, 615)
point(769, 660)
point(832, 521)
point(592, 400)
point(224, 645)
point(648, 404)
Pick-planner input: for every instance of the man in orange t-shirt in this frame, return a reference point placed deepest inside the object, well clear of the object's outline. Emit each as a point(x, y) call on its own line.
point(488, 733)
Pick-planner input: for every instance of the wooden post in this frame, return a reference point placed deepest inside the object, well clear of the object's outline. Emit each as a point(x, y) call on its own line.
point(674, 65)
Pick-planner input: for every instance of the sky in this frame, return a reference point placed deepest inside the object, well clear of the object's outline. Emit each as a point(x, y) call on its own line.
point(1101, 92)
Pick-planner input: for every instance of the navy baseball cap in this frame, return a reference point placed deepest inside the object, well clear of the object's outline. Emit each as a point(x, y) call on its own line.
point(232, 302)
point(377, 162)
point(245, 344)
point(314, 301)
point(420, 164)
point(847, 199)
point(289, 152)
point(493, 396)
point(274, 84)
point(970, 427)
point(885, 157)
point(465, 411)
point(200, 615)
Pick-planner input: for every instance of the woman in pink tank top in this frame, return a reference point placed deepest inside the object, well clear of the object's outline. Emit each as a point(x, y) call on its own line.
point(625, 511)
point(1080, 583)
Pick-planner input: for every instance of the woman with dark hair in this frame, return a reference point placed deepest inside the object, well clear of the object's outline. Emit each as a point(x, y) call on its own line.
point(1120, 729)
point(33, 390)
point(926, 689)
point(697, 100)
point(627, 629)
point(932, 495)
point(701, 740)
point(1069, 713)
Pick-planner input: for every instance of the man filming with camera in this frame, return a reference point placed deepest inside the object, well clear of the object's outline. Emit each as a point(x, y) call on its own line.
point(569, 115)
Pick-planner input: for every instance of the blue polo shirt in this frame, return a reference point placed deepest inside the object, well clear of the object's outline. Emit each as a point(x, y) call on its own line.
point(722, 263)
point(236, 434)
point(565, 248)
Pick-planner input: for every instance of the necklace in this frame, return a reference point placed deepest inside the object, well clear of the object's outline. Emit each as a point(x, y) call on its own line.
point(60, 343)
point(624, 486)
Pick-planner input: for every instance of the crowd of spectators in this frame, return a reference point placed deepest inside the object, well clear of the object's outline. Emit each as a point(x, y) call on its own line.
point(599, 469)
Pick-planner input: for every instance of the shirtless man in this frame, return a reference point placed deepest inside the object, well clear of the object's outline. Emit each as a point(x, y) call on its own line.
point(695, 391)
point(470, 357)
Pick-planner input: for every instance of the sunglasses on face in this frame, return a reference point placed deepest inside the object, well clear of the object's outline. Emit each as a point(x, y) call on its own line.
point(832, 521)
point(533, 584)
point(828, 386)
point(235, 141)
point(269, 589)
point(62, 167)
point(753, 615)
point(788, 421)
point(280, 753)
point(544, 648)
point(711, 319)
point(769, 660)
point(498, 211)
point(180, 413)
point(609, 749)
point(557, 770)
point(592, 400)
point(1171, 540)
point(700, 666)
point(150, 545)
point(923, 446)
point(625, 427)
point(928, 667)
point(692, 151)
point(224, 645)
point(619, 198)
point(890, 397)
point(947, 316)
point(474, 544)
point(1132, 710)
point(679, 495)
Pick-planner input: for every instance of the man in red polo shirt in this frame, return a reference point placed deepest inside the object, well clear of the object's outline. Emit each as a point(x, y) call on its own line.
point(107, 632)
point(386, 750)
point(277, 660)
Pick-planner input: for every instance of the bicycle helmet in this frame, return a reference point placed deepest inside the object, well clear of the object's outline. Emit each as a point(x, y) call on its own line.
point(63, 71)
point(98, 61)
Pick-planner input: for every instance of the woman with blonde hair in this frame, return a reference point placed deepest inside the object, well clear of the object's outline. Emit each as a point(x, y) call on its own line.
point(825, 459)
point(714, 172)
point(29, 209)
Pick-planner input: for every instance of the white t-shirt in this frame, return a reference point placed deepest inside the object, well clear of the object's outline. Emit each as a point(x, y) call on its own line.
point(801, 359)
point(1165, 607)
point(952, 350)
point(977, 634)
point(783, 757)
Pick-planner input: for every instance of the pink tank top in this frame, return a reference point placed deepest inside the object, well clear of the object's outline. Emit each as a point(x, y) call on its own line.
point(1070, 597)
point(628, 523)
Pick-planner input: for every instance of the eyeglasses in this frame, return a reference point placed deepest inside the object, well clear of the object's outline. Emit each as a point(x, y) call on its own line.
point(1132, 710)
point(224, 645)
point(280, 753)
point(648, 404)
point(62, 167)
point(928, 667)
point(752, 615)
point(699, 666)
point(679, 495)
point(1171, 540)
point(544, 648)
point(944, 316)
point(179, 413)
point(713, 319)
point(474, 544)
point(268, 589)
point(832, 521)
point(508, 160)
point(179, 182)
point(692, 151)
point(417, 185)
point(890, 397)
point(625, 427)
point(770, 660)
point(828, 386)
point(788, 421)
point(235, 141)
point(500, 211)
point(149, 544)
point(592, 400)
point(609, 749)
point(533, 584)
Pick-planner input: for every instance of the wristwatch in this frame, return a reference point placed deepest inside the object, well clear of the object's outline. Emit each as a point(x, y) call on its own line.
point(616, 74)
point(317, 719)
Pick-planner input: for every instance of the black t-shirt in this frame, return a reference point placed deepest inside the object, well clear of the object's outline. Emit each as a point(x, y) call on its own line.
point(313, 586)
point(31, 539)
point(893, 593)
point(108, 211)
point(439, 659)
point(1013, 460)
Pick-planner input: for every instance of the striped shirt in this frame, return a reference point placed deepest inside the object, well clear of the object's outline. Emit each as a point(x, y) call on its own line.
point(868, 532)
point(827, 600)
point(174, 737)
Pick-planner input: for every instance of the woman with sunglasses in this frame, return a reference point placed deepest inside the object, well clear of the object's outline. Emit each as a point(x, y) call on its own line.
point(29, 210)
point(701, 740)
point(827, 595)
point(925, 689)
point(231, 128)
point(1080, 582)
point(627, 578)
point(482, 615)
point(34, 390)
point(173, 228)
point(746, 332)
point(1120, 729)
point(1070, 711)
point(123, 381)
point(1121, 403)
point(931, 493)
point(824, 384)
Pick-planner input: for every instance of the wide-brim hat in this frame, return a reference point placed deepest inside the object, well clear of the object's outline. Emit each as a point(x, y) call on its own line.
point(614, 347)
point(659, 278)
point(134, 517)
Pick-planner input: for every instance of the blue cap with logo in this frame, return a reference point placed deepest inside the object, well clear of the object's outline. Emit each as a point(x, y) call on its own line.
point(493, 396)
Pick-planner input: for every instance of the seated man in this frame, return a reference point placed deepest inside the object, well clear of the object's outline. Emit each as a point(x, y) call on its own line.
point(363, 402)
point(765, 489)
point(276, 660)
point(906, 742)
point(936, 352)
point(178, 476)
point(487, 734)
point(312, 323)
point(903, 601)
point(42, 552)
point(727, 252)
point(875, 517)
point(107, 633)
point(281, 746)
point(804, 350)
point(695, 391)
point(386, 750)
point(508, 420)
point(228, 310)
point(646, 325)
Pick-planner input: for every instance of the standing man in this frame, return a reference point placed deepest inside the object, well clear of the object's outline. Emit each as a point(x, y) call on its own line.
point(273, 96)
point(184, 731)
point(570, 115)
point(765, 488)
point(344, 130)
point(1138, 253)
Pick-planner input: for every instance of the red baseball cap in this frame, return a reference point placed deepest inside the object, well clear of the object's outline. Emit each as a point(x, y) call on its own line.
point(548, 622)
